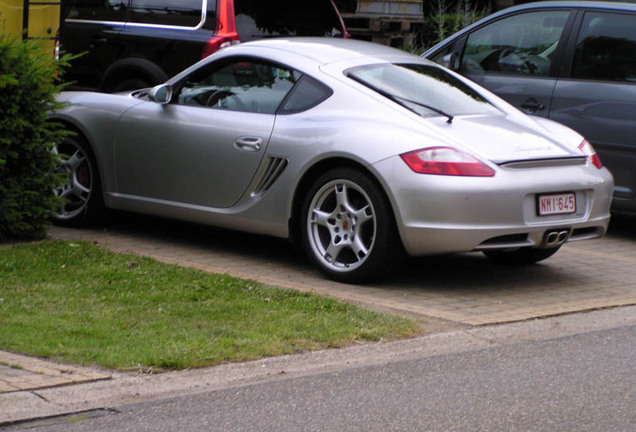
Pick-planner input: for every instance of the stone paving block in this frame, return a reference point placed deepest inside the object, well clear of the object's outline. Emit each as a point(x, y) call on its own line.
point(466, 287)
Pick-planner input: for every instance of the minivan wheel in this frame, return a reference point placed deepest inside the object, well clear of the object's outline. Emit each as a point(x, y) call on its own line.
point(131, 84)
point(80, 194)
point(348, 228)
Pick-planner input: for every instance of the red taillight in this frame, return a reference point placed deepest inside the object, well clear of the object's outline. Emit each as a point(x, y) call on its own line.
point(586, 148)
point(446, 161)
point(215, 43)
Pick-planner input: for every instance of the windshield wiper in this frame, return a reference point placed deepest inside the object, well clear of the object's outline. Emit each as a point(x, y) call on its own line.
point(404, 101)
point(401, 100)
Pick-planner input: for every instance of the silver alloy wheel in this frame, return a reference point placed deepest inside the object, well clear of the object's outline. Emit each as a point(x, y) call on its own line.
point(76, 191)
point(341, 225)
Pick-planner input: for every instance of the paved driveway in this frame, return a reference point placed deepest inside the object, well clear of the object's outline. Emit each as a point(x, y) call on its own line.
point(463, 289)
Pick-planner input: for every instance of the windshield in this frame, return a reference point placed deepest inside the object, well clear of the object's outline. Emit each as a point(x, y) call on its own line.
point(426, 90)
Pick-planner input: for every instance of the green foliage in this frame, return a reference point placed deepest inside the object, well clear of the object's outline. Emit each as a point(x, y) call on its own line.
point(76, 302)
point(28, 85)
point(442, 18)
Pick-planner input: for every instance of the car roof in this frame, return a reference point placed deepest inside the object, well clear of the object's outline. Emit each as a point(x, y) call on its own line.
point(571, 4)
point(326, 50)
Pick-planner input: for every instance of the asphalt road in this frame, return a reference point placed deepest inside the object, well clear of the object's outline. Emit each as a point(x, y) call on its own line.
point(574, 382)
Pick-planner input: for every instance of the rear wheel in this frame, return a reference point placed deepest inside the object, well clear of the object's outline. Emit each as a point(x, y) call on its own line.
point(521, 256)
point(81, 197)
point(348, 228)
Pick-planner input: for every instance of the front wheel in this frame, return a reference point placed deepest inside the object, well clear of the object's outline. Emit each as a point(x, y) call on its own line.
point(80, 193)
point(521, 256)
point(348, 228)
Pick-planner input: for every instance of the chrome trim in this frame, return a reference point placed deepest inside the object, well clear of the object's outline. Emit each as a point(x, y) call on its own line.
point(204, 16)
point(539, 163)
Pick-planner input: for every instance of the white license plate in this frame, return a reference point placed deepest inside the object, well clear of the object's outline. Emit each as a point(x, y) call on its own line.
point(564, 203)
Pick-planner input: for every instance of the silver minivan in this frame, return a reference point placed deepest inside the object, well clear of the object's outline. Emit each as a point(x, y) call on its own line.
point(571, 61)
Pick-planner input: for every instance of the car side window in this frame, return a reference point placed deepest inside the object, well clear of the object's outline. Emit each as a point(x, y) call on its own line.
point(248, 85)
point(306, 94)
point(185, 13)
point(521, 44)
point(606, 48)
point(109, 10)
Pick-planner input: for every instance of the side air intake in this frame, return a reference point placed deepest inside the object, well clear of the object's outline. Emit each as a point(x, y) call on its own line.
point(273, 168)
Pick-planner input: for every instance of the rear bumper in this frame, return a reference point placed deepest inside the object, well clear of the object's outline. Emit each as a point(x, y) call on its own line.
point(444, 214)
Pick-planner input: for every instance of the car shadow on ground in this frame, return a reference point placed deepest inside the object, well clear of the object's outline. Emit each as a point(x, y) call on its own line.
point(623, 226)
point(457, 273)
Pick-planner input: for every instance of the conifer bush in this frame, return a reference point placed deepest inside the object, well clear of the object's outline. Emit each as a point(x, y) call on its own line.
point(29, 81)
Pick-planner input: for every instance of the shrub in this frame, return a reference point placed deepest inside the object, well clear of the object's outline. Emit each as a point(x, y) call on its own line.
point(28, 85)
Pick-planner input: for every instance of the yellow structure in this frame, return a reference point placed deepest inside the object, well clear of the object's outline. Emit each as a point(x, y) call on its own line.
point(42, 19)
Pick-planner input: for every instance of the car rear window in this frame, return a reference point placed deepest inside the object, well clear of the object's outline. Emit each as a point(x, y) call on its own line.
point(426, 90)
point(182, 13)
point(257, 19)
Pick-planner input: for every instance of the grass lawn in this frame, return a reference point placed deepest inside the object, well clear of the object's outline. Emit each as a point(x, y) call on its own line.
point(78, 303)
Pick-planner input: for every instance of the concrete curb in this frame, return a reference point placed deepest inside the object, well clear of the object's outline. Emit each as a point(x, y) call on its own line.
point(124, 389)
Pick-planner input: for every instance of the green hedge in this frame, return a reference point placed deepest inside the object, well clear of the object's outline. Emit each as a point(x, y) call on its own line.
point(28, 85)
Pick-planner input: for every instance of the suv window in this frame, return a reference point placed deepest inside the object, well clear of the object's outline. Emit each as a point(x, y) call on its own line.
point(518, 45)
point(97, 10)
point(248, 85)
point(606, 48)
point(256, 19)
point(185, 13)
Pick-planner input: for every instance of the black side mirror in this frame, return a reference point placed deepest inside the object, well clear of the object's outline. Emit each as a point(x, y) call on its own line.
point(451, 61)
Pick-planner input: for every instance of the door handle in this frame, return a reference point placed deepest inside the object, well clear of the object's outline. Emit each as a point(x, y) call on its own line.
point(532, 105)
point(248, 143)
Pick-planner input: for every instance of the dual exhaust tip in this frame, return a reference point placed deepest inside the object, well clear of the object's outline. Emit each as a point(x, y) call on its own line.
point(556, 237)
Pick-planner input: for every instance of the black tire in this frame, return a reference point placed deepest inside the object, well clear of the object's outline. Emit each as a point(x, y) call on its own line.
point(81, 194)
point(348, 229)
point(521, 256)
point(130, 84)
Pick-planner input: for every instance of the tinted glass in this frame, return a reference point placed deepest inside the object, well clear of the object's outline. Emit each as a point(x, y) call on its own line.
point(96, 10)
point(307, 94)
point(518, 45)
point(426, 90)
point(187, 13)
point(256, 19)
point(606, 48)
point(247, 85)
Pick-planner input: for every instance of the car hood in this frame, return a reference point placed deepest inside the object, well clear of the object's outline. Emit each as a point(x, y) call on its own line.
point(501, 139)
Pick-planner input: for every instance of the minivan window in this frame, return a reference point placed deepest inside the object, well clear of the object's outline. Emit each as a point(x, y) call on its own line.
point(184, 13)
point(256, 19)
point(97, 10)
point(606, 48)
point(522, 44)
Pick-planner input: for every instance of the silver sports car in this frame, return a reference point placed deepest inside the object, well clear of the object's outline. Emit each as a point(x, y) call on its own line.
point(357, 152)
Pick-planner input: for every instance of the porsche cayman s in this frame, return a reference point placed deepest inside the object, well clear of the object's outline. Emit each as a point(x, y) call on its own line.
point(357, 152)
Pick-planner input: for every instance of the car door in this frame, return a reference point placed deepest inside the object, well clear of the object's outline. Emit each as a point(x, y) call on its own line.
point(517, 56)
point(598, 98)
point(204, 147)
